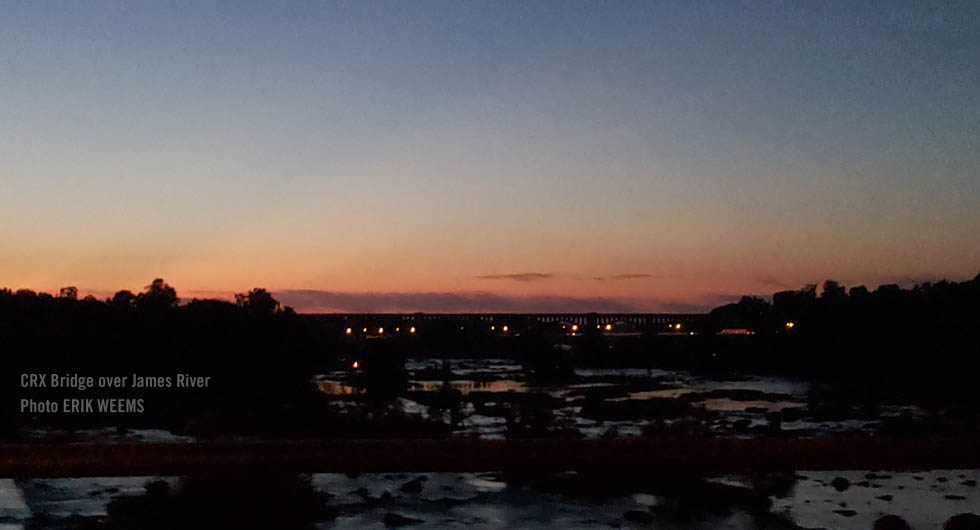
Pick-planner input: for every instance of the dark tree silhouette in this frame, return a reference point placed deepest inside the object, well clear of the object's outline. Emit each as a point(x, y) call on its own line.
point(158, 295)
point(258, 301)
point(258, 358)
point(750, 312)
point(122, 300)
point(922, 341)
point(833, 290)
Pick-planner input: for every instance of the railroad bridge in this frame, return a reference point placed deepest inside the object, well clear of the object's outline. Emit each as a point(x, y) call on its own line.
point(401, 323)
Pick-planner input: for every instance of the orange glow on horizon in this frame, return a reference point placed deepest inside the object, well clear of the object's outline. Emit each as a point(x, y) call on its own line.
point(405, 290)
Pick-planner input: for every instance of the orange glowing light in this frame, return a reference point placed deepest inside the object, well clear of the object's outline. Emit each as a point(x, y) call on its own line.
point(505, 328)
point(412, 329)
point(790, 325)
point(349, 331)
point(355, 365)
point(381, 330)
point(677, 326)
point(608, 327)
point(574, 327)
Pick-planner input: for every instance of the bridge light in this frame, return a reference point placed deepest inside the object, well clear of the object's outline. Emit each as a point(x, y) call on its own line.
point(608, 327)
point(381, 330)
point(349, 331)
point(397, 330)
point(412, 329)
point(355, 365)
point(504, 329)
point(574, 327)
point(677, 326)
point(790, 325)
point(364, 330)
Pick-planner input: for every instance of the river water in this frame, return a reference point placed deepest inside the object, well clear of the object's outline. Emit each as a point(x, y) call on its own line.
point(466, 500)
point(490, 398)
point(622, 402)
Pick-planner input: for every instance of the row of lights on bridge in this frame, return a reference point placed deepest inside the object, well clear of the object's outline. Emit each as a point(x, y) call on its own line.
point(608, 327)
point(412, 330)
point(505, 329)
point(381, 331)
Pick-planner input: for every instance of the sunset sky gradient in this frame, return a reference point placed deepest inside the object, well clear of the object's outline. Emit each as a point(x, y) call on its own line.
point(401, 156)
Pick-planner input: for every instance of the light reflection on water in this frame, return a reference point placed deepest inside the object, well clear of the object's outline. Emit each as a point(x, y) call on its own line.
point(731, 405)
point(467, 386)
point(739, 406)
point(486, 500)
point(338, 388)
point(667, 393)
point(623, 372)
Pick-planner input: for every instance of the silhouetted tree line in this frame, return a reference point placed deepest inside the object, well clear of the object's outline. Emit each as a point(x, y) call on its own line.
point(929, 333)
point(261, 356)
point(257, 353)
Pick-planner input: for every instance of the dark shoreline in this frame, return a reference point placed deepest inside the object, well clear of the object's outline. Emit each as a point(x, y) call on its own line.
point(618, 457)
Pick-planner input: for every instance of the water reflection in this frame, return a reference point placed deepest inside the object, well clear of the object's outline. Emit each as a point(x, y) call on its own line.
point(621, 402)
point(338, 388)
point(484, 501)
point(466, 386)
point(670, 393)
point(731, 405)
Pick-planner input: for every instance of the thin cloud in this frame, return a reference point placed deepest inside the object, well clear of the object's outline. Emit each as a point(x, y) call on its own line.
point(639, 276)
point(635, 276)
point(770, 282)
point(519, 276)
point(314, 301)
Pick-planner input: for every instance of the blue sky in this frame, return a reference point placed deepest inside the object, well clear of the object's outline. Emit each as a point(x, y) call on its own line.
point(693, 150)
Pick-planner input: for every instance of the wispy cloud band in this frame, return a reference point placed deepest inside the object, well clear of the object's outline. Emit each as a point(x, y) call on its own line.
point(315, 301)
point(519, 276)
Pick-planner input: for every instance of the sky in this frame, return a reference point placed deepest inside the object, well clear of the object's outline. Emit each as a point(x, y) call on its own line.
point(481, 156)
